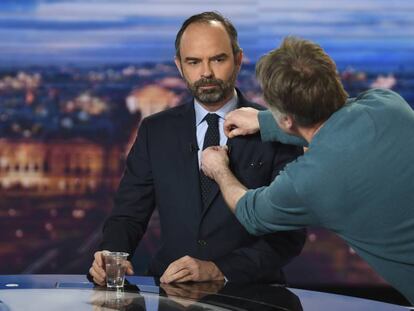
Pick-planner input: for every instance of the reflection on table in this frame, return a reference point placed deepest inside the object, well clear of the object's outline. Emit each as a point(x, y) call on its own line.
point(74, 292)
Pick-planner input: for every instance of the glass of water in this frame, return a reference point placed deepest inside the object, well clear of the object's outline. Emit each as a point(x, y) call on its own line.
point(115, 267)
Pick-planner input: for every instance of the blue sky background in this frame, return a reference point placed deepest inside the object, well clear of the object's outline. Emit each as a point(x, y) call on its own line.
point(368, 34)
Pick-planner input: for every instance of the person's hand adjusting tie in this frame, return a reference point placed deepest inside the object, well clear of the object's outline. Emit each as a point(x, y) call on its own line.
point(243, 121)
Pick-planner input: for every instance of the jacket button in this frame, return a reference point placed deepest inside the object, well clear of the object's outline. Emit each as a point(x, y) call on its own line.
point(202, 242)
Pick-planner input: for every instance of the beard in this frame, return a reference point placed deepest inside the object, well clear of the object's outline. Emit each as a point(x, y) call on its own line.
point(219, 91)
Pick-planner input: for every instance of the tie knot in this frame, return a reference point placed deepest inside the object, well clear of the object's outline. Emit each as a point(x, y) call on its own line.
point(212, 119)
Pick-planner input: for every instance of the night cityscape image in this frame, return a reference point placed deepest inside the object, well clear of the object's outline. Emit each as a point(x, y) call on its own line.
point(77, 77)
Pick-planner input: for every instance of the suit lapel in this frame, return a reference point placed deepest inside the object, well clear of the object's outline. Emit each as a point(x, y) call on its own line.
point(213, 193)
point(237, 144)
point(187, 144)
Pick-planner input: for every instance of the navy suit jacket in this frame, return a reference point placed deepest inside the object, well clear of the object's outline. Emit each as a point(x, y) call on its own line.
point(162, 171)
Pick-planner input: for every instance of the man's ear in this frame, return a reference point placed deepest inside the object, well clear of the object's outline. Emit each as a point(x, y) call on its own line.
point(178, 64)
point(238, 58)
point(288, 121)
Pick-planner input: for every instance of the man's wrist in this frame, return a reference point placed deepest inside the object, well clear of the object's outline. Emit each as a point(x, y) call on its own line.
point(231, 189)
point(221, 175)
point(215, 273)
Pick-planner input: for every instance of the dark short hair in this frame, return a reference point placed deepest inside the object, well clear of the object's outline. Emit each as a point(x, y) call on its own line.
point(301, 80)
point(207, 17)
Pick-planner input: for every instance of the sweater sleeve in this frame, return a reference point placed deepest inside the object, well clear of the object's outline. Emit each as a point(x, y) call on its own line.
point(270, 131)
point(277, 207)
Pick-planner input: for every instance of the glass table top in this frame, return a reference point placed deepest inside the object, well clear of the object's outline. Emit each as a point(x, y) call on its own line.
point(74, 292)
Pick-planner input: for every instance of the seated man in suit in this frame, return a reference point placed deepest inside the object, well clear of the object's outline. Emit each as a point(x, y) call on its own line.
point(201, 239)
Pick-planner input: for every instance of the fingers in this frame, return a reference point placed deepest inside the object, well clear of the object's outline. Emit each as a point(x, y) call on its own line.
point(231, 123)
point(242, 121)
point(97, 270)
point(228, 128)
point(129, 268)
point(215, 148)
point(98, 258)
point(176, 277)
point(96, 278)
point(177, 270)
point(98, 274)
point(172, 269)
point(232, 131)
point(235, 132)
point(211, 148)
point(190, 269)
point(186, 278)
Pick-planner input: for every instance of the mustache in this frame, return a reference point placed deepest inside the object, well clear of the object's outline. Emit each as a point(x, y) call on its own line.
point(208, 81)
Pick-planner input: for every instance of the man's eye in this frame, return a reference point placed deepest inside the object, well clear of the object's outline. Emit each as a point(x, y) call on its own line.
point(192, 62)
point(219, 60)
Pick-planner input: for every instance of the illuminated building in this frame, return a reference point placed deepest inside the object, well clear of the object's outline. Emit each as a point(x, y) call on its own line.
point(70, 167)
point(151, 99)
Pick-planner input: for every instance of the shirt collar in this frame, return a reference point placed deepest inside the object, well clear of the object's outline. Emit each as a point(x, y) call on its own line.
point(201, 112)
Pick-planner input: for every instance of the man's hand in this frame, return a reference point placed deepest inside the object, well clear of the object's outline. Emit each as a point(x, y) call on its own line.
point(214, 160)
point(215, 164)
point(243, 121)
point(97, 271)
point(191, 269)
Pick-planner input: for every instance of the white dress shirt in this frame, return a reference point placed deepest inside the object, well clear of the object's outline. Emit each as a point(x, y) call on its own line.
point(201, 125)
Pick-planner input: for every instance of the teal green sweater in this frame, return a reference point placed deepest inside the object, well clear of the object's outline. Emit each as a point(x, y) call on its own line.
point(356, 179)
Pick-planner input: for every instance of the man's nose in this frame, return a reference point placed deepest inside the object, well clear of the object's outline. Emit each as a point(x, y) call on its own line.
point(207, 71)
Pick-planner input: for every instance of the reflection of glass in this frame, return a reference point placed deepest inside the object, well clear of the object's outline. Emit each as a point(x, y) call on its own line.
point(115, 266)
point(113, 300)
